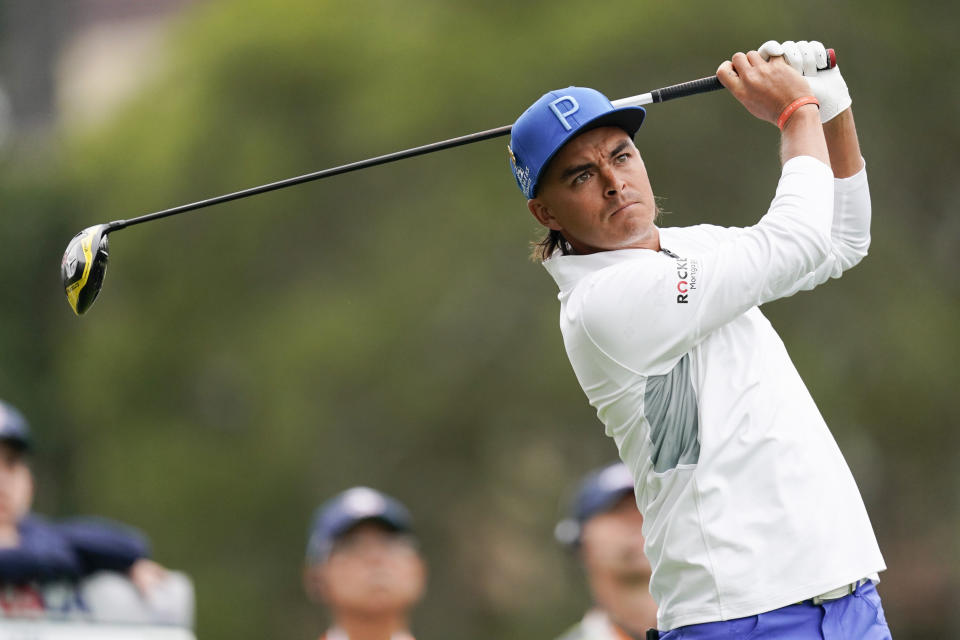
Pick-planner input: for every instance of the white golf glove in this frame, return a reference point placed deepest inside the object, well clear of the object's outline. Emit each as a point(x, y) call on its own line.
point(810, 59)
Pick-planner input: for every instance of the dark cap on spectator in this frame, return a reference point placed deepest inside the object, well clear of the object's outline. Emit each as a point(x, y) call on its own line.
point(14, 430)
point(599, 491)
point(348, 509)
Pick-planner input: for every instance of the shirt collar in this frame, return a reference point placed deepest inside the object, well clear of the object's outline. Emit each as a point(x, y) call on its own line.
point(569, 270)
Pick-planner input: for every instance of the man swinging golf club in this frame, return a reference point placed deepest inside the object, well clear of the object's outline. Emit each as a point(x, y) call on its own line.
point(754, 525)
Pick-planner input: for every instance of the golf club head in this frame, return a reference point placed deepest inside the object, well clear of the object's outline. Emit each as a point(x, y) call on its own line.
point(83, 267)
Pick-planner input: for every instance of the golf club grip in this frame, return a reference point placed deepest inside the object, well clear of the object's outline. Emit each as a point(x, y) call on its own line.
point(703, 85)
point(711, 83)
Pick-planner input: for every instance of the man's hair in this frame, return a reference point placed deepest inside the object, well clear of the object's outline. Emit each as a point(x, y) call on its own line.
point(552, 241)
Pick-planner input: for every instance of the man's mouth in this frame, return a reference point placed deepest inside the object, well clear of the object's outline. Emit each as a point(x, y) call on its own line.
point(622, 207)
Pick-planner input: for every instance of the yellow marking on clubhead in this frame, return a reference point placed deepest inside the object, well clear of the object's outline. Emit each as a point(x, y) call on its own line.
point(73, 290)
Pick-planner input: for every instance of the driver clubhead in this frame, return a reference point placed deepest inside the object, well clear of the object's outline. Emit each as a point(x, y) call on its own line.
point(83, 267)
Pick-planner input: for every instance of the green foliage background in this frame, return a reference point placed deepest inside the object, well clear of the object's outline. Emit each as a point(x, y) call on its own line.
point(386, 328)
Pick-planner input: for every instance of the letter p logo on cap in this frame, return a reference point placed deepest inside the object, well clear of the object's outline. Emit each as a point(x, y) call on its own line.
point(562, 115)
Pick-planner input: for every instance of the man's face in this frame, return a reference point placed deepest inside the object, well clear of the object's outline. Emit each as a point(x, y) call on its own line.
point(612, 542)
point(371, 571)
point(597, 193)
point(16, 485)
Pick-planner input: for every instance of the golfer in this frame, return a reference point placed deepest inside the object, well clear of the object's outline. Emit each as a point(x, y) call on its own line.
point(753, 522)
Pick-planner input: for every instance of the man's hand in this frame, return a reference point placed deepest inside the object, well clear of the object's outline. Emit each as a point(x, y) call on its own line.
point(146, 574)
point(810, 59)
point(764, 87)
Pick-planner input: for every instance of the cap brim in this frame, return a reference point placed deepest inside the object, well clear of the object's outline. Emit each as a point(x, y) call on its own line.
point(16, 443)
point(627, 118)
point(379, 519)
point(611, 500)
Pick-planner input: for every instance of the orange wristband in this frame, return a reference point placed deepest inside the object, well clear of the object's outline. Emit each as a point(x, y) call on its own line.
point(793, 106)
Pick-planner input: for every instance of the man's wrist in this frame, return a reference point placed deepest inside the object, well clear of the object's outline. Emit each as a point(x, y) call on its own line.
point(802, 135)
point(841, 136)
point(805, 116)
point(804, 102)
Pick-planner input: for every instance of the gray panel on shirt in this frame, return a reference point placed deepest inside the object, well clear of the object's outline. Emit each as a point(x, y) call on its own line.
point(670, 406)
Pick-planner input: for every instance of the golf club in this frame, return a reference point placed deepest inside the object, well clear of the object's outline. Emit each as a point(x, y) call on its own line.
point(84, 262)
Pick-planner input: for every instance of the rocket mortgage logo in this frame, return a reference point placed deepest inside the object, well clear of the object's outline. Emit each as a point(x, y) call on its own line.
point(687, 272)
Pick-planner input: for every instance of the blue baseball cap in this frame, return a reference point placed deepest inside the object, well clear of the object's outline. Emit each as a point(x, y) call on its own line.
point(14, 429)
point(344, 511)
point(553, 120)
point(599, 491)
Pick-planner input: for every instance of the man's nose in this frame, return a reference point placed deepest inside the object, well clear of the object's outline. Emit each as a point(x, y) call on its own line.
point(612, 183)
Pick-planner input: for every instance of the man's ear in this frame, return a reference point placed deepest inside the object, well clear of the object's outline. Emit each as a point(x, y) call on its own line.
point(31, 491)
point(542, 213)
point(422, 575)
point(314, 583)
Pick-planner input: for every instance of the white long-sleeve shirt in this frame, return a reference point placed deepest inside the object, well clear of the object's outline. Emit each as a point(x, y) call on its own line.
point(748, 503)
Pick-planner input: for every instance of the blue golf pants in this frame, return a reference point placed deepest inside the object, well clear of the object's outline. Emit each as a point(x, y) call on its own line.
point(858, 616)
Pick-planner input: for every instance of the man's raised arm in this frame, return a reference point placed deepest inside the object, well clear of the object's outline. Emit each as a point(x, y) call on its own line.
point(775, 92)
point(850, 228)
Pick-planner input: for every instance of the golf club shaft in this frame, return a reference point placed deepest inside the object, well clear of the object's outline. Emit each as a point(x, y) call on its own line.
point(308, 177)
point(703, 85)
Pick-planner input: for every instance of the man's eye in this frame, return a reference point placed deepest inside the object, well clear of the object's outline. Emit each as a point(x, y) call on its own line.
point(580, 179)
point(622, 157)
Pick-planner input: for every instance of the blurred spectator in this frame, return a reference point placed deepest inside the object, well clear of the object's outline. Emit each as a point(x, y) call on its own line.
point(363, 564)
point(604, 529)
point(84, 569)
